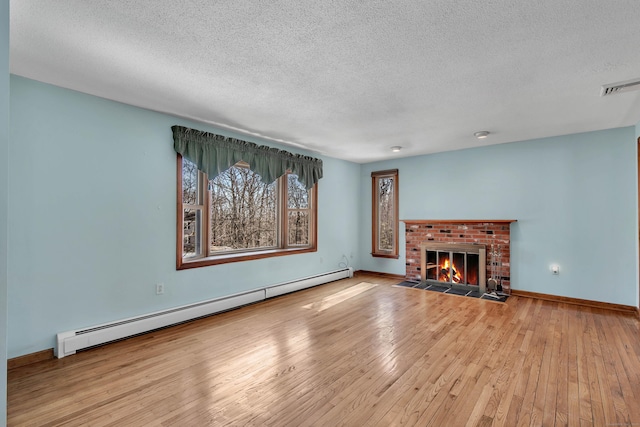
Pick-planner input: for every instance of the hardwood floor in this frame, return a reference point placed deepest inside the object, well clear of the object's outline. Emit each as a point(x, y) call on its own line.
point(354, 352)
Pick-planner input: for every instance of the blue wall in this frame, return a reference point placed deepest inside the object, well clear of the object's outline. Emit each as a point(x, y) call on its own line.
point(575, 199)
point(4, 205)
point(92, 214)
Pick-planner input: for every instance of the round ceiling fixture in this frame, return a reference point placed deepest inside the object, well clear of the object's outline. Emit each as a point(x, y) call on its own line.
point(481, 134)
point(396, 148)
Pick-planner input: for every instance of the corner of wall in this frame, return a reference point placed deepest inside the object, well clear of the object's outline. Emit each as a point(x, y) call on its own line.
point(4, 202)
point(637, 215)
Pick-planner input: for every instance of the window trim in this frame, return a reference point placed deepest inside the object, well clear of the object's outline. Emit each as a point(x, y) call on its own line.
point(246, 255)
point(375, 176)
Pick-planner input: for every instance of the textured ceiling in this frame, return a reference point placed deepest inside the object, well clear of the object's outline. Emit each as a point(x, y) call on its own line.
point(347, 78)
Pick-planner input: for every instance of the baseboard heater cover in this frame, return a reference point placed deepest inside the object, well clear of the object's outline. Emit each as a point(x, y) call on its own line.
point(308, 282)
point(67, 343)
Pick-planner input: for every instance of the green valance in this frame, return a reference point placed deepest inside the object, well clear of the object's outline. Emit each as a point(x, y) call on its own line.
point(214, 154)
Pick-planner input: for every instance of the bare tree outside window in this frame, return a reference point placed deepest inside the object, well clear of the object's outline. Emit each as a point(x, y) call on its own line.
point(235, 215)
point(386, 217)
point(189, 183)
point(243, 211)
point(298, 212)
point(385, 213)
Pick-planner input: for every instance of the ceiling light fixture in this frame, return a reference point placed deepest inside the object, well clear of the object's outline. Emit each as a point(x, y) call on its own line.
point(396, 148)
point(482, 134)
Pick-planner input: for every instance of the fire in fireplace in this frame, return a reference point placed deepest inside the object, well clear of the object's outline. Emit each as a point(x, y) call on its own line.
point(461, 266)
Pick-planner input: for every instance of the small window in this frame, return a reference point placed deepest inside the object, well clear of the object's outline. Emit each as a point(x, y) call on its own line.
point(237, 217)
point(385, 213)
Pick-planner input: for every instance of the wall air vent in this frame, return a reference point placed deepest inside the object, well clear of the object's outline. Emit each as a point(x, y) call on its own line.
point(613, 88)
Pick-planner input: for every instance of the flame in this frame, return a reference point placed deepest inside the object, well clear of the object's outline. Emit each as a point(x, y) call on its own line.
point(445, 270)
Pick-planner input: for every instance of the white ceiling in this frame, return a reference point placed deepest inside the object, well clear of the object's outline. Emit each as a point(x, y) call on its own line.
point(349, 78)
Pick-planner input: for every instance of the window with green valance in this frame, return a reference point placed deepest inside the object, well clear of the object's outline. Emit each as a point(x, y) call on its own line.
point(214, 154)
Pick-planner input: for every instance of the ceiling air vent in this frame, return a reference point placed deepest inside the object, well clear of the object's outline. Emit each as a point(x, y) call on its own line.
point(613, 88)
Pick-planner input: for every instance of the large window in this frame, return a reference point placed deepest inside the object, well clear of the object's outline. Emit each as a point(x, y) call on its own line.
point(385, 213)
point(237, 217)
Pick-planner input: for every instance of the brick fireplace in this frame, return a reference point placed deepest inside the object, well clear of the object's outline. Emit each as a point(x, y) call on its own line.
point(494, 235)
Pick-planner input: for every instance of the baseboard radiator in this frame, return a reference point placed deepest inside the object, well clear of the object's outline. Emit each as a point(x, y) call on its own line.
point(67, 343)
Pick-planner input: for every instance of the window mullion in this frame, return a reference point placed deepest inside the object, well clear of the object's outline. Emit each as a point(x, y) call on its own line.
point(283, 212)
point(206, 216)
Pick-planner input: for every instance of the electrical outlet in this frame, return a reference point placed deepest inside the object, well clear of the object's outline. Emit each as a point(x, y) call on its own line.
point(159, 288)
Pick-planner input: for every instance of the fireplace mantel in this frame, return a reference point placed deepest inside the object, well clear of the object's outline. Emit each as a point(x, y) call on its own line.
point(458, 221)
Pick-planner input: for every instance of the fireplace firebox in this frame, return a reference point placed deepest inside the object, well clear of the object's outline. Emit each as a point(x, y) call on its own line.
point(454, 265)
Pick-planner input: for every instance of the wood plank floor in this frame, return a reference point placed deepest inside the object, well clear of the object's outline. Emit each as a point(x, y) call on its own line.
point(355, 352)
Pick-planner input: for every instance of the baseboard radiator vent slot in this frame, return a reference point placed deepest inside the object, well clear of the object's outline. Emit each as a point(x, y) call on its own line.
point(67, 343)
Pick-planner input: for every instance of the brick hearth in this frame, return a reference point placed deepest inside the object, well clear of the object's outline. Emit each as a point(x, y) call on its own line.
point(484, 232)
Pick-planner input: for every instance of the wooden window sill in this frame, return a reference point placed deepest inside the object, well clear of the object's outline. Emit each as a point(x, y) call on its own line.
point(238, 257)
